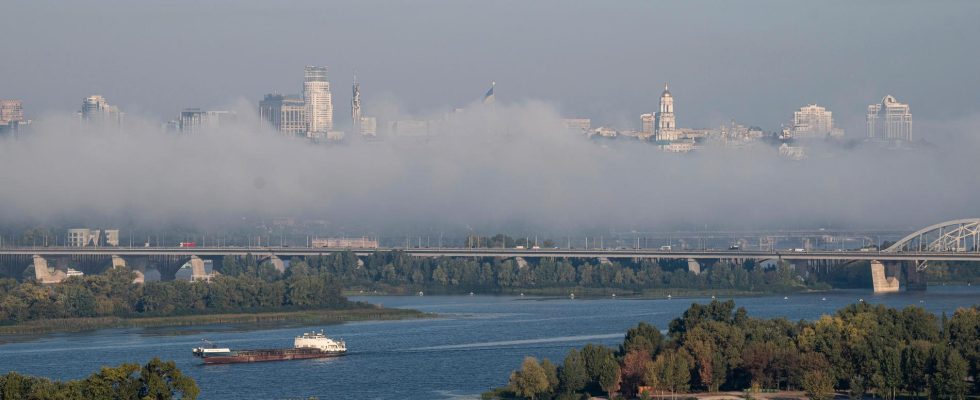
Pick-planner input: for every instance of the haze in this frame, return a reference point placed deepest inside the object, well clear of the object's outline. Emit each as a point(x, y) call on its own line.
point(552, 59)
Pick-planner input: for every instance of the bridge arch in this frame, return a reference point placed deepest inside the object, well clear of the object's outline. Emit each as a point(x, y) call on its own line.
point(959, 235)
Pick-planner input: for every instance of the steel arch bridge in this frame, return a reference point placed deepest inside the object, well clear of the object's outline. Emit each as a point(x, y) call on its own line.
point(956, 236)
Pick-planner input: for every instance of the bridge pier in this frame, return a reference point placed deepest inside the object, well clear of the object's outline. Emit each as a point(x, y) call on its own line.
point(694, 266)
point(45, 274)
point(198, 273)
point(278, 264)
point(880, 281)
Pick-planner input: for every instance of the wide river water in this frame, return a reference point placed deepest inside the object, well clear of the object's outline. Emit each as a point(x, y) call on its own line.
point(473, 346)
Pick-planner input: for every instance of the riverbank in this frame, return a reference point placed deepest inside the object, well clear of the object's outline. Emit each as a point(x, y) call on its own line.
point(302, 317)
point(587, 293)
point(428, 358)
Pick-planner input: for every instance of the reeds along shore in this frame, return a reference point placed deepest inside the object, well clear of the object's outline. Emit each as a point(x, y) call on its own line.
point(303, 316)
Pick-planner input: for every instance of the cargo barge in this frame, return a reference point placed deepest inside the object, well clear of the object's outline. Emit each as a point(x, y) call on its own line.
point(305, 346)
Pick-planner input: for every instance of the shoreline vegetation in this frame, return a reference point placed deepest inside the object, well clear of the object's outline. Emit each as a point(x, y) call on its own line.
point(714, 350)
point(401, 273)
point(313, 289)
point(156, 379)
point(256, 294)
point(593, 293)
point(299, 317)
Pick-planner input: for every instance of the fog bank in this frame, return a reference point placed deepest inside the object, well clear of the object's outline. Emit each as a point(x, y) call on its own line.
point(503, 167)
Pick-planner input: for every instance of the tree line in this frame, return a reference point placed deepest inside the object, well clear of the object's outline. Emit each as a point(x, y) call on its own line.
point(860, 349)
point(244, 284)
point(255, 287)
point(159, 380)
point(392, 270)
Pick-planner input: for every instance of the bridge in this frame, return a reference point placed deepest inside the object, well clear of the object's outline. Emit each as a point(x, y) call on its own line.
point(285, 252)
point(955, 240)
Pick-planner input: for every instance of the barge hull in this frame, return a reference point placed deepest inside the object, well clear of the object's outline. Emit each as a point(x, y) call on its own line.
point(261, 357)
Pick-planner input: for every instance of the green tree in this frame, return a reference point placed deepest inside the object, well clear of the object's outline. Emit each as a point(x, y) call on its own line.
point(891, 372)
point(915, 361)
point(161, 380)
point(609, 375)
point(818, 384)
point(573, 375)
point(858, 386)
point(530, 381)
point(949, 371)
point(643, 337)
point(157, 380)
point(116, 383)
point(964, 336)
point(595, 357)
point(550, 372)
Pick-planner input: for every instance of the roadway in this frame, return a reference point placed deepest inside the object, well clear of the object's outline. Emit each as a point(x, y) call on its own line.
point(788, 254)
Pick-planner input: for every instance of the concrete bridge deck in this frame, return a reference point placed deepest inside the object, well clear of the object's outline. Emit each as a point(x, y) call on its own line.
point(508, 253)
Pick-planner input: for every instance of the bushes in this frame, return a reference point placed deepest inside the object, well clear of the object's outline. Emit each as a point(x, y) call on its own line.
point(155, 380)
point(113, 294)
point(861, 349)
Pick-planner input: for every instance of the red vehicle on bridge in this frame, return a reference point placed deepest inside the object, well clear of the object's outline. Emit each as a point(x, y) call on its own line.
point(188, 244)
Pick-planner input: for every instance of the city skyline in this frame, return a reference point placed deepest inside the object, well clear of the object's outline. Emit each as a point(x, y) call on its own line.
point(720, 82)
point(290, 115)
point(474, 186)
point(453, 161)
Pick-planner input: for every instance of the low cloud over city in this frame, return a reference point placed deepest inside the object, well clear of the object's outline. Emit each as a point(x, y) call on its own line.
point(744, 81)
point(505, 166)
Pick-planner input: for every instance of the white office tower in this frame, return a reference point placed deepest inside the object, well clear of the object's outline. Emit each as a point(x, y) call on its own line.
point(890, 120)
point(813, 121)
point(96, 108)
point(319, 105)
point(666, 125)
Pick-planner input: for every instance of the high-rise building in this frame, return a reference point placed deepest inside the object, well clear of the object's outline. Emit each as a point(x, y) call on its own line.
point(646, 123)
point(890, 120)
point(293, 116)
point(95, 108)
point(666, 124)
point(11, 115)
point(813, 121)
point(194, 119)
point(355, 105)
point(287, 114)
point(369, 126)
point(92, 237)
point(11, 110)
point(319, 105)
point(270, 110)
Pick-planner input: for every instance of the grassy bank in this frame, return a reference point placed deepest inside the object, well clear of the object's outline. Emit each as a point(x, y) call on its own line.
point(280, 317)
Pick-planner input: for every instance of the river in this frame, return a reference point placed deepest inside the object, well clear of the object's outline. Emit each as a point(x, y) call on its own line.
point(473, 346)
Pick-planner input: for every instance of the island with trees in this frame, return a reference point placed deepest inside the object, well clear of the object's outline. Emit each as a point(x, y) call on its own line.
point(257, 293)
point(861, 350)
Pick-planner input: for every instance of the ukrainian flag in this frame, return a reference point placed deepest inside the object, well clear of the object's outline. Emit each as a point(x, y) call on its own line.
point(488, 98)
